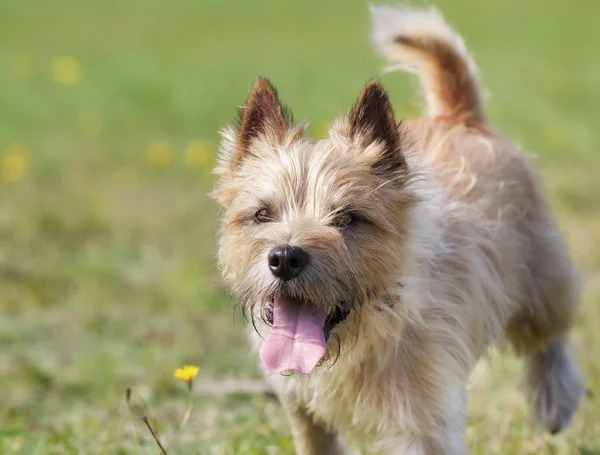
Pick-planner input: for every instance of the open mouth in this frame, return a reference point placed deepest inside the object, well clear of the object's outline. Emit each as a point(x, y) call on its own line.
point(333, 319)
point(339, 315)
point(298, 336)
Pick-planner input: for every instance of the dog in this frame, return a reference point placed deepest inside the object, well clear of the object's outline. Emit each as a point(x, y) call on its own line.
point(379, 264)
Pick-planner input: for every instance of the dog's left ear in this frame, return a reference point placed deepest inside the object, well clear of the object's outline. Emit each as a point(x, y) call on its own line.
point(372, 120)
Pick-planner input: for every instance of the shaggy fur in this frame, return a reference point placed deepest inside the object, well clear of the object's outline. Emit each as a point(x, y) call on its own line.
point(453, 249)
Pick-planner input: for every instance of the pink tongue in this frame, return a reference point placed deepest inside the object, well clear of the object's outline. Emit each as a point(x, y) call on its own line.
point(296, 340)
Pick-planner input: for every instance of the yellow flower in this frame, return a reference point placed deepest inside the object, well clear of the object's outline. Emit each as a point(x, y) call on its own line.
point(66, 70)
point(23, 65)
point(187, 373)
point(198, 153)
point(160, 154)
point(14, 163)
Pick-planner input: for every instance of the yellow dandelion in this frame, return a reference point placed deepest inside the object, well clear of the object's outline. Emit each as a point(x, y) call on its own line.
point(90, 124)
point(198, 153)
point(23, 65)
point(187, 373)
point(66, 71)
point(322, 130)
point(160, 154)
point(14, 163)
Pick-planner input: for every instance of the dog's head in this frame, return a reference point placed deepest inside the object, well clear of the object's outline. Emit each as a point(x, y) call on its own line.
point(312, 230)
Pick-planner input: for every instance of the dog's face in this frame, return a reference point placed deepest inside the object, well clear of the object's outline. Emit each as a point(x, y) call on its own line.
point(312, 229)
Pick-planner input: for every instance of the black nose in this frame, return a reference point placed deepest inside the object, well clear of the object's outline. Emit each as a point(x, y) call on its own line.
point(286, 262)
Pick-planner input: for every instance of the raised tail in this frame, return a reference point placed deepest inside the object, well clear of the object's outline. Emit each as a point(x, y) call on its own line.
point(420, 41)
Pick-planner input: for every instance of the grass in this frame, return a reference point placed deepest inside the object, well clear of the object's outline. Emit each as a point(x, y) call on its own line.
point(107, 236)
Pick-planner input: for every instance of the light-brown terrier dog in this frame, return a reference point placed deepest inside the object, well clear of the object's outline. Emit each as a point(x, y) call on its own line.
point(383, 261)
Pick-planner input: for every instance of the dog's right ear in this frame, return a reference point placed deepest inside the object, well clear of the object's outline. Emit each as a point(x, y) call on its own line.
point(262, 114)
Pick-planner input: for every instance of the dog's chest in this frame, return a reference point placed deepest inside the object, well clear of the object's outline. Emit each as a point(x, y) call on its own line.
point(349, 399)
point(359, 393)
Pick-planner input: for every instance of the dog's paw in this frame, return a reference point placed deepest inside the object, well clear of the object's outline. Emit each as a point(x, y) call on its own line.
point(554, 387)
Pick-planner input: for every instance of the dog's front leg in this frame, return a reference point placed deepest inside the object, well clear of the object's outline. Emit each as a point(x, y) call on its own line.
point(310, 437)
point(438, 429)
point(443, 444)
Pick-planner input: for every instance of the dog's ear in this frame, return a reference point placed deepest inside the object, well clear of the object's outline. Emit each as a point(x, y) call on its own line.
point(372, 120)
point(263, 113)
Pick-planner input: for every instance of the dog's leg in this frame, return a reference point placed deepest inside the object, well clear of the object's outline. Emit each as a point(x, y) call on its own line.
point(551, 382)
point(553, 385)
point(438, 432)
point(446, 444)
point(310, 437)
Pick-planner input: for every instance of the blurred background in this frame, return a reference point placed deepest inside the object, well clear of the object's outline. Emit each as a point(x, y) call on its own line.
point(109, 112)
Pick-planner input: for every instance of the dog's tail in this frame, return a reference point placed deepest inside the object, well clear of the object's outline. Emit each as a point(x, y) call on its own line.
point(421, 41)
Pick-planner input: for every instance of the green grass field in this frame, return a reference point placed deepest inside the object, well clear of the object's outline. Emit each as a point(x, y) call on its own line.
point(109, 114)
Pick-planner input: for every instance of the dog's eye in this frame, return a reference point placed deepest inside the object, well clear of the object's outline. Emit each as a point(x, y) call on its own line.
point(263, 216)
point(343, 220)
